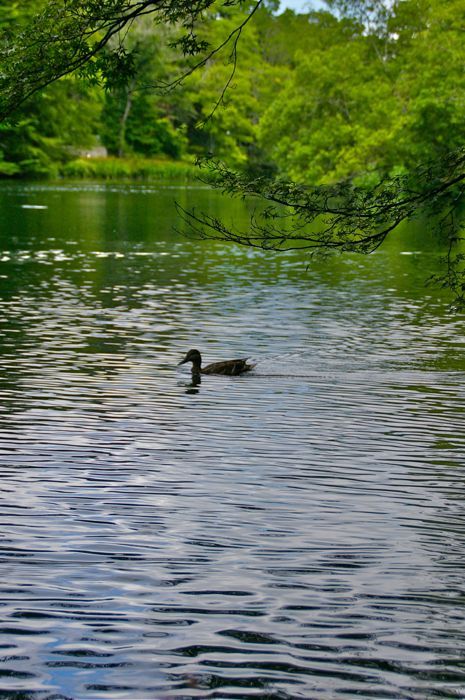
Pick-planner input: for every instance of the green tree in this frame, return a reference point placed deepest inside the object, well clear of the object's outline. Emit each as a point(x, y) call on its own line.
point(350, 111)
point(336, 116)
point(374, 122)
point(430, 80)
point(231, 132)
point(55, 123)
point(71, 36)
point(135, 118)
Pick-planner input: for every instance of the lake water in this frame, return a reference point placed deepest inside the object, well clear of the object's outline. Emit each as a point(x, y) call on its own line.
point(297, 532)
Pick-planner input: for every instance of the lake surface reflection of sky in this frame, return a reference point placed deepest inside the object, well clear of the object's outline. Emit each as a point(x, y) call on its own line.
point(296, 532)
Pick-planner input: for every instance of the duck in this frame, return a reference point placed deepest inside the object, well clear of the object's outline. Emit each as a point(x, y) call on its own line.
point(227, 367)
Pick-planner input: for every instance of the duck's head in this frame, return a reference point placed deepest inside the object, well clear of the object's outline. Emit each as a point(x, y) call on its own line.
point(194, 357)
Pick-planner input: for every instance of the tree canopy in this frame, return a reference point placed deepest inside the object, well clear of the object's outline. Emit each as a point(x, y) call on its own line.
point(340, 123)
point(60, 38)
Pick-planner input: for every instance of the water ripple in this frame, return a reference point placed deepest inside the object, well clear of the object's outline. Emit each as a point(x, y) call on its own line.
point(293, 533)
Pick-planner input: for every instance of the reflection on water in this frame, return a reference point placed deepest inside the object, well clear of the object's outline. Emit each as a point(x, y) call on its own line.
point(296, 532)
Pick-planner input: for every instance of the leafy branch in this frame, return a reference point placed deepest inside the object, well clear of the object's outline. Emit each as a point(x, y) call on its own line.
point(232, 38)
point(70, 36)
point(341, 217)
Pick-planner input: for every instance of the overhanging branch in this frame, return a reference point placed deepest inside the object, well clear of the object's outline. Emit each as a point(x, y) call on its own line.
point(340, 217)
point(67, 37)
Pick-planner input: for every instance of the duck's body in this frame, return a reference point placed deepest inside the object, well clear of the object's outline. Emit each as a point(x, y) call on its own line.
point(227, 367)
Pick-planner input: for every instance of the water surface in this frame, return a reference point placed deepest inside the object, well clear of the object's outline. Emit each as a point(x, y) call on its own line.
point(297, 532)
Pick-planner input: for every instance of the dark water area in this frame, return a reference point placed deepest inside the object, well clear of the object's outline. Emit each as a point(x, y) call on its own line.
point(296, 532)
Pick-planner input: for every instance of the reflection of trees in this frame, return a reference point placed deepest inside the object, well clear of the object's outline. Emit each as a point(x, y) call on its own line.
point(342, 217)
point(351, 101)
point(82, 292)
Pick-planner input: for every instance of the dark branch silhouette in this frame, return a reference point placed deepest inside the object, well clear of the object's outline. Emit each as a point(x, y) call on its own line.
point(341, 217)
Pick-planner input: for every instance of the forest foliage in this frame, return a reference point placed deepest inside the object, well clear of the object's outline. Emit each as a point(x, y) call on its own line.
point(341, 123)
point(317, 97)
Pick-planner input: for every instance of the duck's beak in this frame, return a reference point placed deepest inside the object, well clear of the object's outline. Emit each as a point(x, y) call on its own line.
point(183, 362)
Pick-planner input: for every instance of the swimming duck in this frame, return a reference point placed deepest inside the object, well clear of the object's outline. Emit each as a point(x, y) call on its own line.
point(228, 367)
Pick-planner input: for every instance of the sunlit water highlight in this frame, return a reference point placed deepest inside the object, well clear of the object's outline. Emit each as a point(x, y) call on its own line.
point(296, 532)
